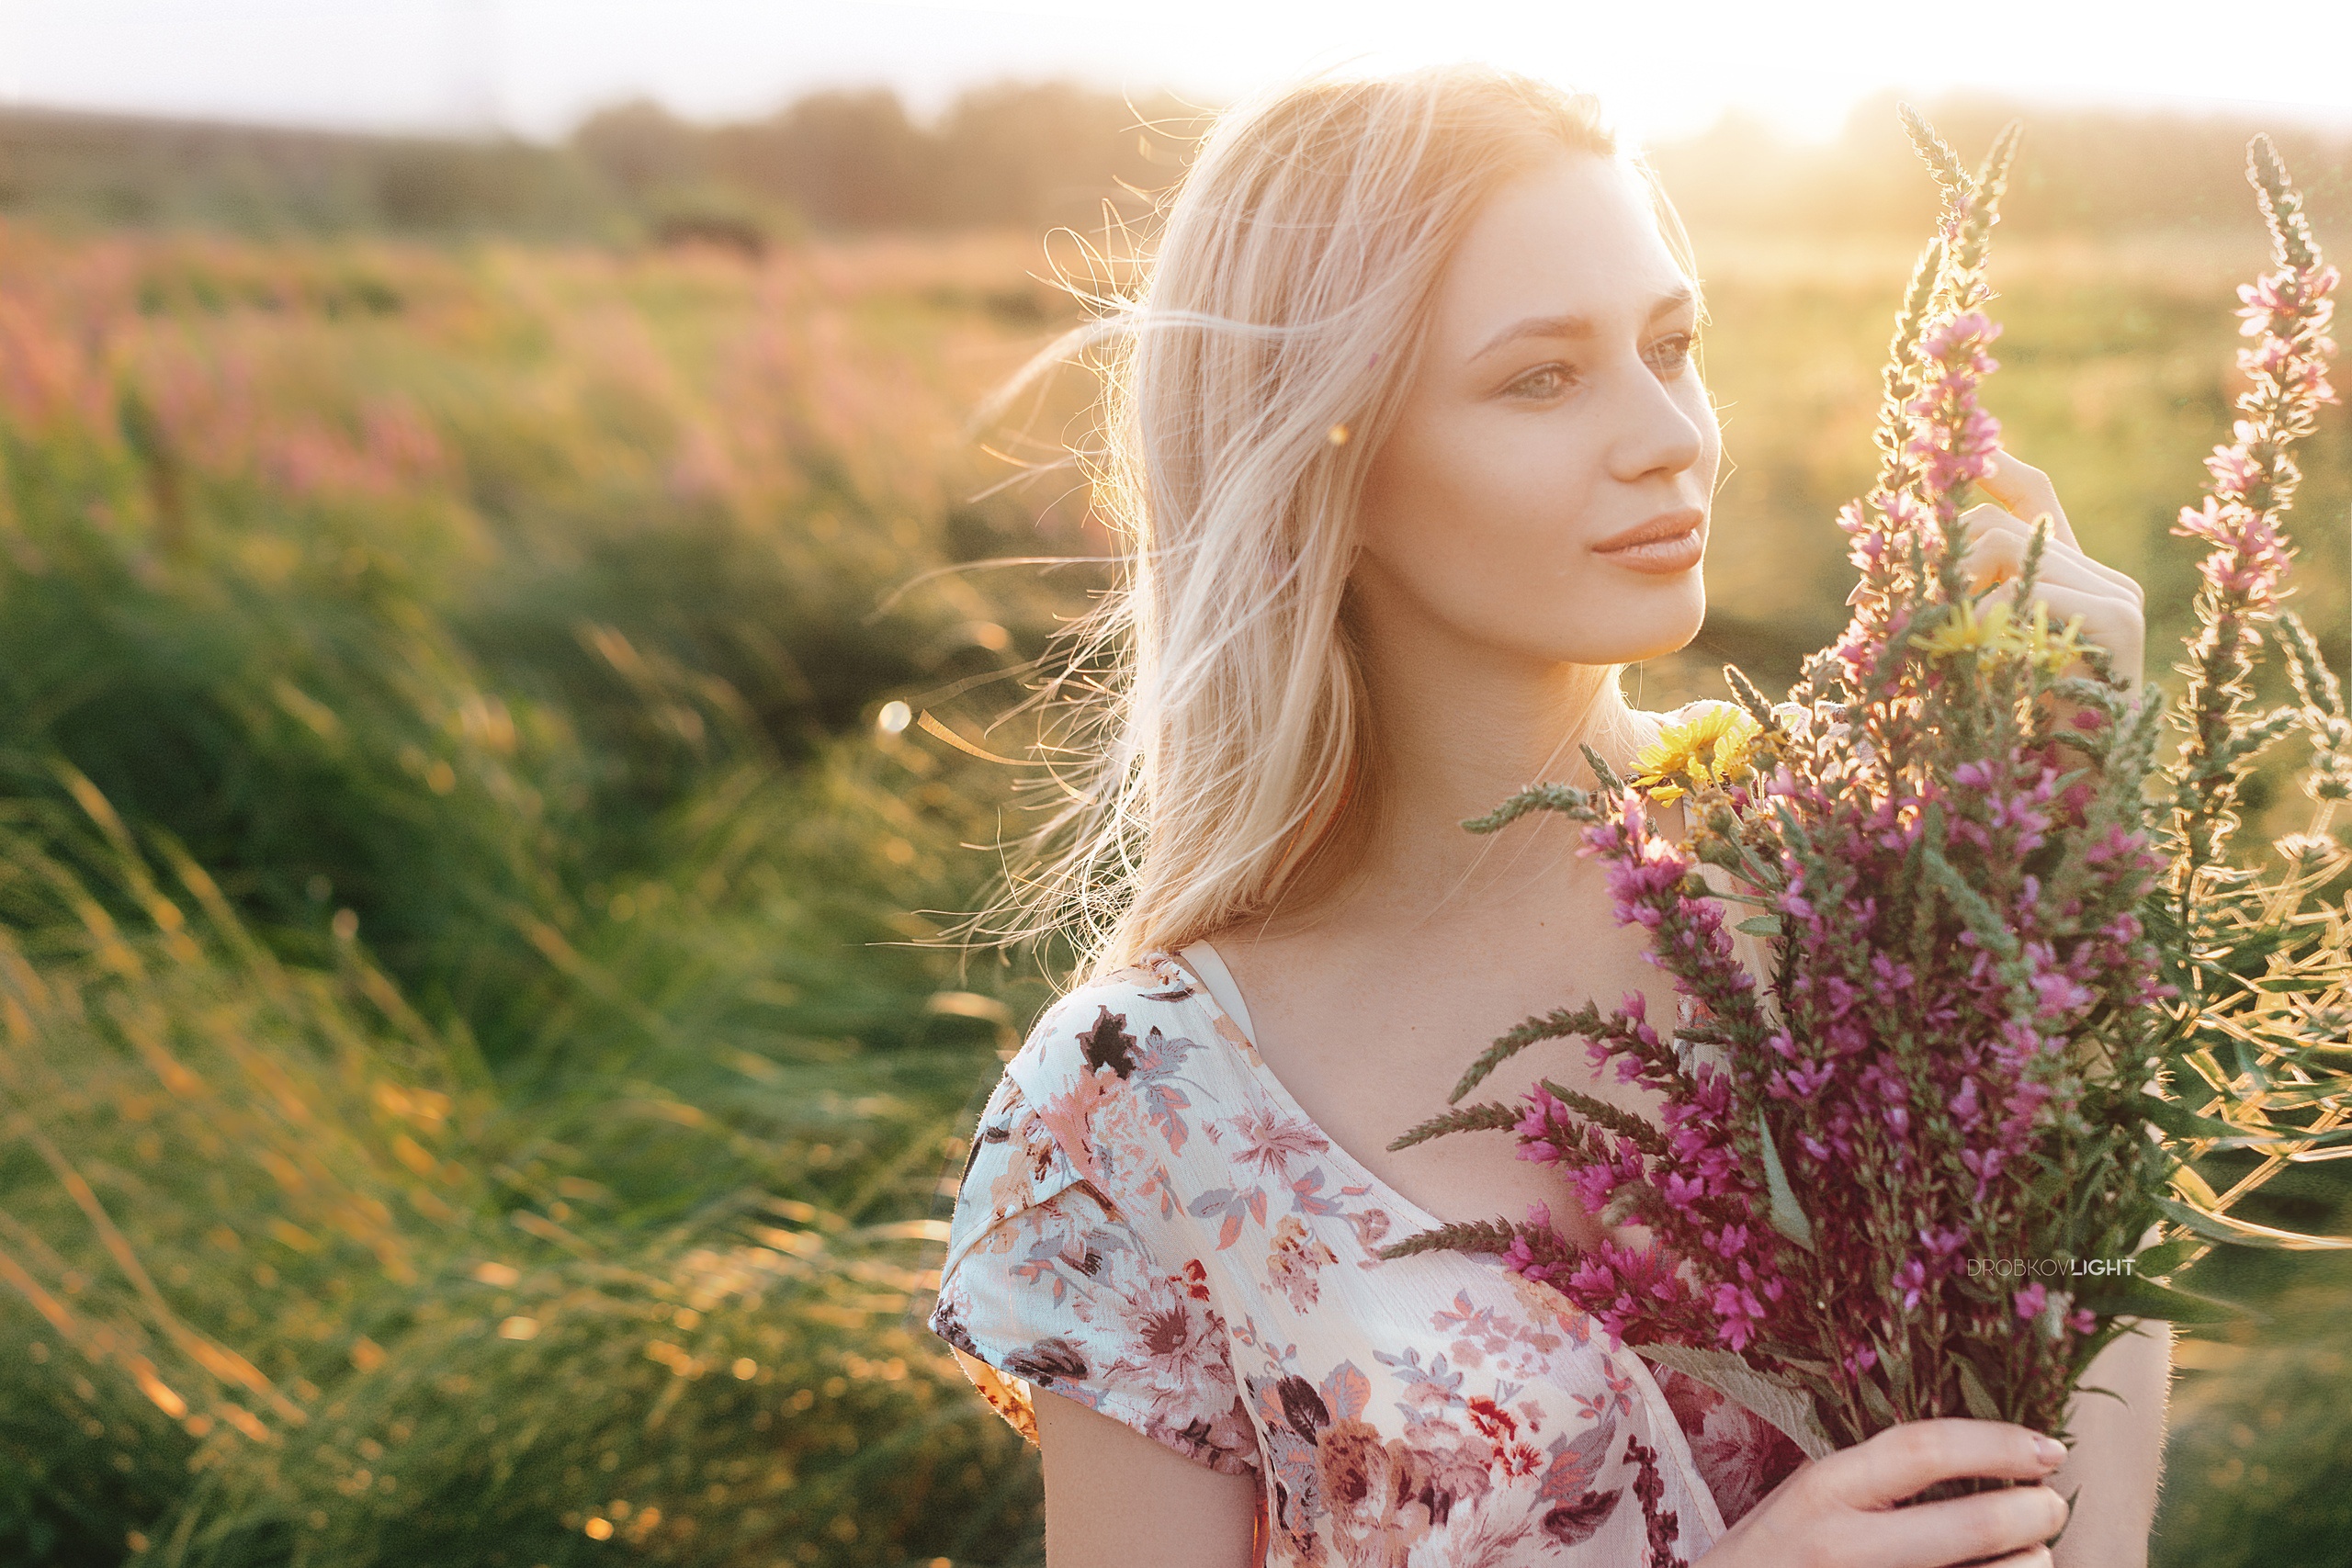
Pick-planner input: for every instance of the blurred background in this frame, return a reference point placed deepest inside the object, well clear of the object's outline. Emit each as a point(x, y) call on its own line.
point(504, 626)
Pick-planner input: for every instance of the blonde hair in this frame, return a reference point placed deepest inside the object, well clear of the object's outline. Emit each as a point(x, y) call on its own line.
point(1214, 699)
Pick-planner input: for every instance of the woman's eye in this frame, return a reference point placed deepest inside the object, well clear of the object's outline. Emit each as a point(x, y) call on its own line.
point(1676, 351)
point(1543, 381)
point(1671, 354)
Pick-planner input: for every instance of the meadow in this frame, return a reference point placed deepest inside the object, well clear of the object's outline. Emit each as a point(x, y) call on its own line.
point(485, 1075)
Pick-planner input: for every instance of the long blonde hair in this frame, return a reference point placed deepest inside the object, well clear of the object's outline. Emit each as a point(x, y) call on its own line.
point(1213, 700)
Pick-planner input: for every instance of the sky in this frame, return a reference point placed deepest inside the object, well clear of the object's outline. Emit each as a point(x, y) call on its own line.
point(535, 67)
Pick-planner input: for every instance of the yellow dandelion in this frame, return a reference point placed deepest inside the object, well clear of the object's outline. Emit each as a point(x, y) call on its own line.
point(1967, 632)
point(1708, 749)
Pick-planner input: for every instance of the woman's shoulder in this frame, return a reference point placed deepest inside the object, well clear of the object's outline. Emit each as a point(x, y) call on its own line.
point(1100, 1024)
point(1104, 1043)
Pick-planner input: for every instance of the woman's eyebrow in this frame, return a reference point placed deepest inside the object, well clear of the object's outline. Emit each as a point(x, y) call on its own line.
point(1575, 326)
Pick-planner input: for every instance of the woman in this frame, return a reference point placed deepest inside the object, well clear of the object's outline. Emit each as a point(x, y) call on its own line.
point(1416, 460)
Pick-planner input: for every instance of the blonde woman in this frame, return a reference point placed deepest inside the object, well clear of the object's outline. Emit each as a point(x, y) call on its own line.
point(1414, 459)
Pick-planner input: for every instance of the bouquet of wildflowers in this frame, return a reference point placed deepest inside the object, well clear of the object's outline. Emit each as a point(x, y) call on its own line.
point(2018, 993)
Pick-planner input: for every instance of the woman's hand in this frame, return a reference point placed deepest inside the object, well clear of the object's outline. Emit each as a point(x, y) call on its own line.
point(2068, 582)
point(1840, 1512)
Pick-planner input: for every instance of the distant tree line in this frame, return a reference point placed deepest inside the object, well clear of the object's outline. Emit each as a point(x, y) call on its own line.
point(2078, 171)
point(81, 171)
point(1007, 154)
point(1036, 155)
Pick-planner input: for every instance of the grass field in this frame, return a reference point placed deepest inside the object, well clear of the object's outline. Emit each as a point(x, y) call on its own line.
point(484, 1086)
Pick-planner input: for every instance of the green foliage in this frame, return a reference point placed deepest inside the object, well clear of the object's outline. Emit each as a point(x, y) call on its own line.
point(1037, 153)
point(2257, 1471)
point(471, 1077)
point(1034, 154)
point(299, 1293)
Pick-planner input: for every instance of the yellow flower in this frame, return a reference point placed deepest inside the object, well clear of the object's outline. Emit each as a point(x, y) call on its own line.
point(1998, 632)
point(1967, 632)
point(2053, 650)
point(1708, 749)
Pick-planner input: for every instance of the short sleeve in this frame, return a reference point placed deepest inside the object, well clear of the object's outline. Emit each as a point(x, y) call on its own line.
point(1046, 1286)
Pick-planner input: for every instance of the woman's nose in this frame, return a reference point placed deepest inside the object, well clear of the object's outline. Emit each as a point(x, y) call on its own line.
point(1655, 432)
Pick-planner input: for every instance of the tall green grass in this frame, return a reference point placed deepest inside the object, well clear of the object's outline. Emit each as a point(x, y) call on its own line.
point(300, 1292)
point(474, 1093)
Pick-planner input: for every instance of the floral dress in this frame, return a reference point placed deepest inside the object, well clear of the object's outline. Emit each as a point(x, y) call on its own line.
point(1149, 1224)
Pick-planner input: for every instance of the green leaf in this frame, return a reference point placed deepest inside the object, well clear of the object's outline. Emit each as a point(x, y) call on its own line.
point(2297, 1097)
point(2135, 1297)
point(2246, 1232)
point(1601, 770)
point(1565, 798)
point(2070, 1515)
point(1786, 1216)
point(2199, 1189)
point(1875, 1400)
point(2178, 1120)
point(1556, 1024)
point(2313, 681)
point(1973, 1394)
point(2165, 1257)
point(1744, 693)
point(1761, 925)
point(1782, 1403)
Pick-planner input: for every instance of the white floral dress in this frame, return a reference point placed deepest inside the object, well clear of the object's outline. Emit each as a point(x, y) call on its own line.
point(1149, 1224)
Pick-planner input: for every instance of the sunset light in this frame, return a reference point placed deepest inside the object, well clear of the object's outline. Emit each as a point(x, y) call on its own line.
point(1447, 784)
point(536, 66)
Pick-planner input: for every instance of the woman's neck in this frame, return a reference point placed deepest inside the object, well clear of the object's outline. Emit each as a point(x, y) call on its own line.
point(1456, 728)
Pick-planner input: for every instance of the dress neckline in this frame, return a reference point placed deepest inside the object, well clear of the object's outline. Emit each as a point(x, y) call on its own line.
point(1229, 1030)
point(1232, 1033)
point(1664, 1423)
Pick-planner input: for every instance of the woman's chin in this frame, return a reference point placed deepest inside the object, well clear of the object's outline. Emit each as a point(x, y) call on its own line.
point(1629, 650)
point(1662, 631)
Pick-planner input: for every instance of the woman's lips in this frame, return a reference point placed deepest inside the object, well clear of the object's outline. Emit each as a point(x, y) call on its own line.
point(1662, 557)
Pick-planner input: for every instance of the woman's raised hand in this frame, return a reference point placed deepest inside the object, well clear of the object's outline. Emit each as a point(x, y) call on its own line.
point(2067, 580)
point(1841, 1512)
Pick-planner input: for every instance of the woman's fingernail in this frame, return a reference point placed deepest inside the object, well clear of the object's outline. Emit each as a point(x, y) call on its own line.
point(2052, 1451)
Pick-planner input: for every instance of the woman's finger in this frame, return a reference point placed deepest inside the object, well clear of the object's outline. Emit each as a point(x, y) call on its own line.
point(2066, 588)
point(1905, 1460)
point(2004, 533)
point(1996, 554)
point(2034, 1556)
point(1993, 521)
point(1985, 1526)
point(2113, 623)
point(2026, 493)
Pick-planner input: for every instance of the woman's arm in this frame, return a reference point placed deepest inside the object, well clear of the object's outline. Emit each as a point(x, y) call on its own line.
point(2118, 1452)
point(1116, 1499)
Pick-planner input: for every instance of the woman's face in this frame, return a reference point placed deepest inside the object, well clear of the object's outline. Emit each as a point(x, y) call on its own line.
point(1556, 405)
